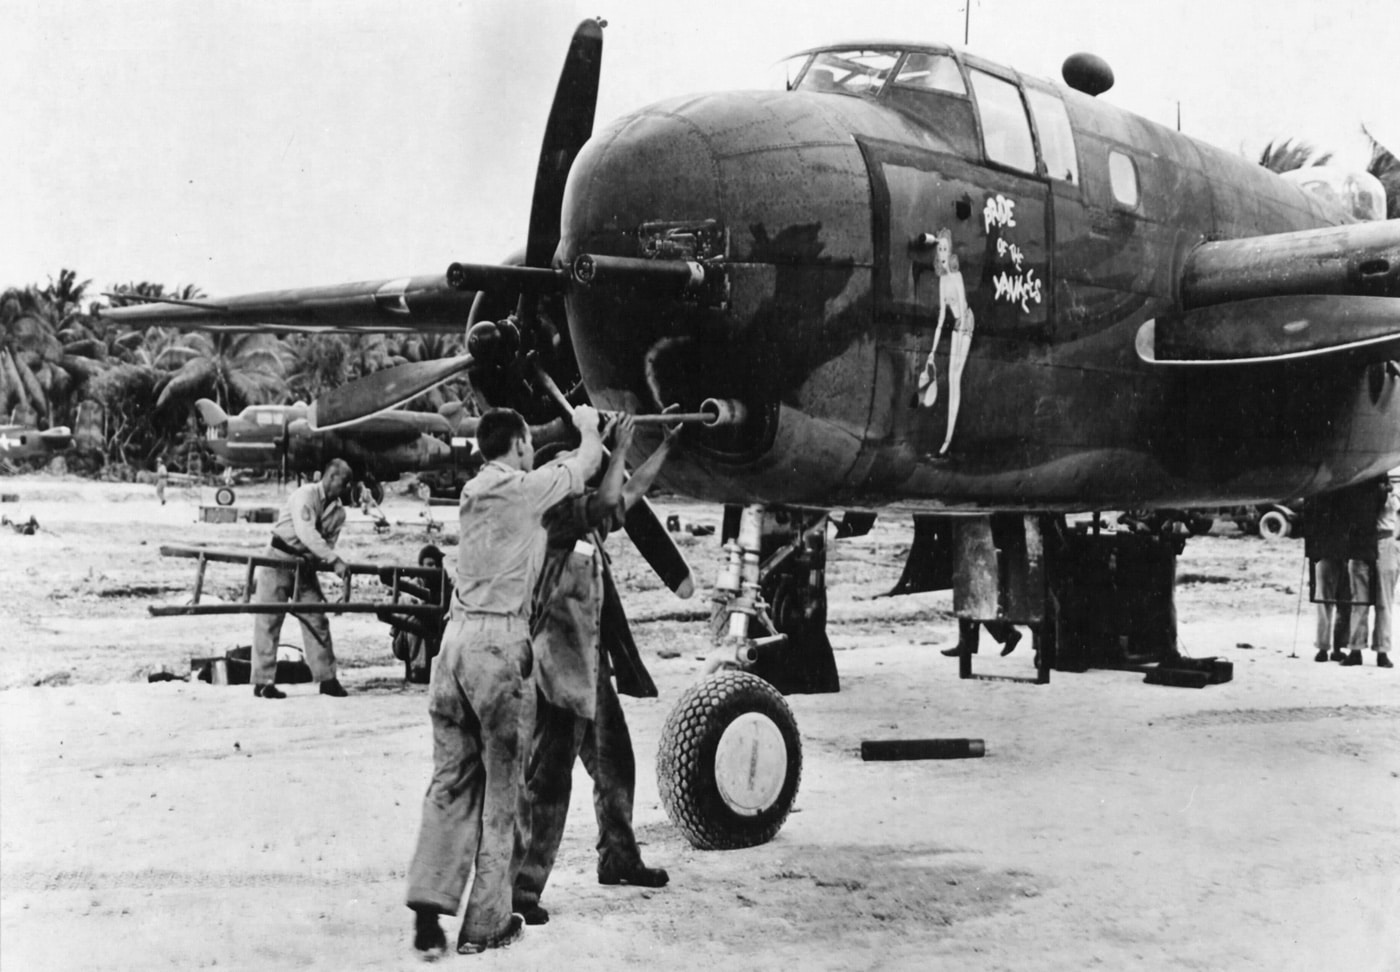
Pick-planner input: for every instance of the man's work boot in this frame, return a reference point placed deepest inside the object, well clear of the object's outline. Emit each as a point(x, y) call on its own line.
point(268, 691)
point(1352, 659)
point(1383, 660)
point(639, 875)
point(955, 651)
point(428, 936)
point(534, 914)
point(1012, 640)
point(513, 932)
point(1337, 654)
point(333, 688)
point(1321, 655)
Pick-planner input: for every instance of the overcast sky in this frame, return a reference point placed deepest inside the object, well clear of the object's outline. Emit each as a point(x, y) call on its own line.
point(259, 145)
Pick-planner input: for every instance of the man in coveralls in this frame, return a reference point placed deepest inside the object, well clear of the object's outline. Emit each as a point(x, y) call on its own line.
point(577, 623)
point(307, 529)
point(481, 698)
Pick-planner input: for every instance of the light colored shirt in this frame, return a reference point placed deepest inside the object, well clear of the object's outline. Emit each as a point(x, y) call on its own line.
point(500, 537)
point(310, 523)
point(1388, 523)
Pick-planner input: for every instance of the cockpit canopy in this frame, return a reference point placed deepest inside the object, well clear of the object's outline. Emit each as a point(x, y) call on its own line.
point(1359, 194)
point(983, 112)
point(865, 71)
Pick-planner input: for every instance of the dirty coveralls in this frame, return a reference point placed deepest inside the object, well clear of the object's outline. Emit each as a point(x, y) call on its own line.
point(579, 716)
point(482, 700)
point(308, 528)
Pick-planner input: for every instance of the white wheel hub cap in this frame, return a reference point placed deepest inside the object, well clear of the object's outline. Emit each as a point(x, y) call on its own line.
point(751, 764)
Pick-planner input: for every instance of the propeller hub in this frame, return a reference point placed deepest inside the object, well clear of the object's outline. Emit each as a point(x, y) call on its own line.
point(494, 343)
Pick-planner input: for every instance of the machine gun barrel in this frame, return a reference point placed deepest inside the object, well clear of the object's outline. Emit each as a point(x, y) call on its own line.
point(490, 276)
point(659, 277)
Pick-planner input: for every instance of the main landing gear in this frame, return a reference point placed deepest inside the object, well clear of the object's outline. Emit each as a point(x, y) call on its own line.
point(730, 759)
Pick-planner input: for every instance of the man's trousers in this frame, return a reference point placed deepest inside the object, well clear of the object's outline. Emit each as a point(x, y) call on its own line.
point(275, 585)
point(1378, 578)
point(605, 747)
point(482, 704)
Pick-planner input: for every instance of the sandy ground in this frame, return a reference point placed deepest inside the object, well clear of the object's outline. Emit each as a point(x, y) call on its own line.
point(1112, 824)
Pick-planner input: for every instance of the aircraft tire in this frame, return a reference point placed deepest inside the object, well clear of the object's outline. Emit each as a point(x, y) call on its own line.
point(224, 496)
point(730, 762)
point(1273, 525)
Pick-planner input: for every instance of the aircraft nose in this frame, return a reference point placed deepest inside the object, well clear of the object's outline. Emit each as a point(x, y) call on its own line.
point(771, 194)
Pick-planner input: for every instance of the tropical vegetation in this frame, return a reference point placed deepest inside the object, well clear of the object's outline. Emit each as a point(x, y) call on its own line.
point(128, 393)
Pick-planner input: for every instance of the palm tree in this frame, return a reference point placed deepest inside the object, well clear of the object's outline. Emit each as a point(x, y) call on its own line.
point(1385, 167)
point(1289, 154)
point(319, 362)
point(235, 370)
point(31, 354)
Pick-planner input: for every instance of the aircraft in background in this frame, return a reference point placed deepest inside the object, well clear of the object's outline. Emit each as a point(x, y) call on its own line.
point(438, 446)
point(378, 449)
point(933, 284)
point(25, 442)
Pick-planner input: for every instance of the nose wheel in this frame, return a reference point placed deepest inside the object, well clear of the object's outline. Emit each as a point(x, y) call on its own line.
point(730, 762)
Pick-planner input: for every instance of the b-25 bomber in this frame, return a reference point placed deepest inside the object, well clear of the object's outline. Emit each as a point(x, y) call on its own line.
point(929, 283)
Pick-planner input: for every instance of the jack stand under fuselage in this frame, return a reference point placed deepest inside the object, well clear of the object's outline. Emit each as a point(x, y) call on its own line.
point(769, 611)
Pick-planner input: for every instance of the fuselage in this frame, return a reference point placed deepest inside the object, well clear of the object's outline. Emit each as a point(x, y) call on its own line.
point(26, 442)
point(269, 436)
point(912, 227)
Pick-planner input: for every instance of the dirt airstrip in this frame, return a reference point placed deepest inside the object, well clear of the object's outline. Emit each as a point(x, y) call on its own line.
point(1112, 824)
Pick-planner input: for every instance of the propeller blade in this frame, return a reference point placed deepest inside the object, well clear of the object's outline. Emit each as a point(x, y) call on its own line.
point(570, 125)
point(649, 536)
point(381, 391)
point(643, 526)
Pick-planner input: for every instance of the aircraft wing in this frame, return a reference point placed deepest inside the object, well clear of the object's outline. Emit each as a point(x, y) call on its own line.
point(1328, 295)
point(424, 303)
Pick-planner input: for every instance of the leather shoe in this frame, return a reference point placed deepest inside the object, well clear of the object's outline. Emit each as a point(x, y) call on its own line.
point(333, 688)
point(1383, 660)
point(1321, 655)
point(1352, 659)
point(1012, 640)
point(533, 914)
point(268, 691)
point(1337, 654)
point(955, 651)
point(428, 936)
point(514, 931)
point(640, 876)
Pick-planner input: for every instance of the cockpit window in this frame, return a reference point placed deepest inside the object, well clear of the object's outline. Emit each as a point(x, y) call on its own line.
point(857, 72)
point(1056, 135)
point(1006, 131)
point(783, 75)
point(931, 72)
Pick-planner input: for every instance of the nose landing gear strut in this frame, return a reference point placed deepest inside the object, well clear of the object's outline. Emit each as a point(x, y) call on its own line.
point(730, 759)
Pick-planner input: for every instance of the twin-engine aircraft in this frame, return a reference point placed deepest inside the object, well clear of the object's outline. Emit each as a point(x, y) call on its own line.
point(26, 442)
point(378, 449)
point(933, 284)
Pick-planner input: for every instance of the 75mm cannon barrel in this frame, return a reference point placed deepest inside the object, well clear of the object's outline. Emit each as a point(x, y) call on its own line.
point(714, 413)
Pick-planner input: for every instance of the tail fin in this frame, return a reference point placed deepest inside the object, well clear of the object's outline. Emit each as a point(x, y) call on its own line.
point(210, 413)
